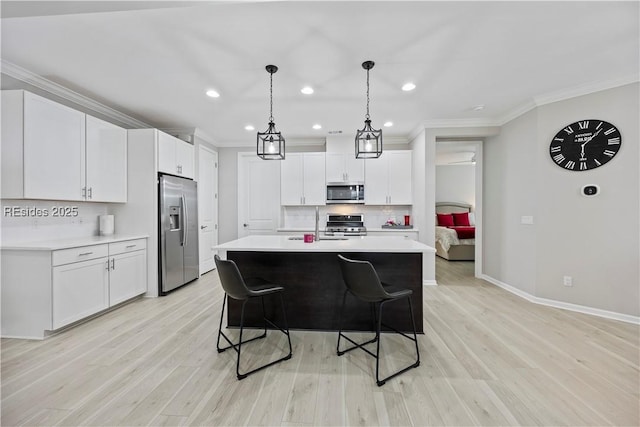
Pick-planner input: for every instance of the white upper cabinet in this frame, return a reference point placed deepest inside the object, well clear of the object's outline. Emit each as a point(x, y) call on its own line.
point(53, 152)
point(54, 144)
point(175, 156)
point(341, 162)
point(106, 161)
point(302, 179)
point(388, 179)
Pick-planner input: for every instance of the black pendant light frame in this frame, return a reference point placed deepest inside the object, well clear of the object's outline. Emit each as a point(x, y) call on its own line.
point(270, 143)
point(368, 139)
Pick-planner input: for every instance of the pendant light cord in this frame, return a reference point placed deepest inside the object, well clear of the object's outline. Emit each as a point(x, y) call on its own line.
point(367, 115)
point(271, 97)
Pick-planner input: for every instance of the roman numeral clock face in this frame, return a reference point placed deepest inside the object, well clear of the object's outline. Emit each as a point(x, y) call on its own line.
point(585, 145)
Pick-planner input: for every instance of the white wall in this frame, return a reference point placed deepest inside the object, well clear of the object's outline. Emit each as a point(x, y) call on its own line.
point(228, 193)
point(34, 227)
point(509, 247)
point(593, 240)
point(456, 183)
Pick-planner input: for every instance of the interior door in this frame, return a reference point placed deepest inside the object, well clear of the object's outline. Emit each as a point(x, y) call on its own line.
point(207, 207)
point(258, 195)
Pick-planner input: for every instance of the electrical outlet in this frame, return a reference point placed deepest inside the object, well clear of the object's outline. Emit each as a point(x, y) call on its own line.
point(567, 281)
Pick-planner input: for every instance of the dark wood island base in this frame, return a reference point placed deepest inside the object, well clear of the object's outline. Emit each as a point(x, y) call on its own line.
point(314, 289)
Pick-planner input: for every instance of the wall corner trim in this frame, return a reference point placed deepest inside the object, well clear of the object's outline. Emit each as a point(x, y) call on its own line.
point(563, 305)
point(40, 82)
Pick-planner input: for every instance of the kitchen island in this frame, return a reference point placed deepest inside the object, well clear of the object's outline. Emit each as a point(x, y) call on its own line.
point(313, 284)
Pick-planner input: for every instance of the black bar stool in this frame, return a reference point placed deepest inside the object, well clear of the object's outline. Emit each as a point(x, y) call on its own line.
point(363, 282)
point(235, 287)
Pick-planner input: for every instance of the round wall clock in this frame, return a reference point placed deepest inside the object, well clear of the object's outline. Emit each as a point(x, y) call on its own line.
point(585, 145)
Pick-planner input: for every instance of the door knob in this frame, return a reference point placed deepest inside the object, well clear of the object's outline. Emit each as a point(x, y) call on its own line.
point(245, 225)
point(202, 227)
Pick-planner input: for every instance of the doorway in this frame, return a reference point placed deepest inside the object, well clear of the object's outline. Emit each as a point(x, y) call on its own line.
point(459, 180)
point(207, 207)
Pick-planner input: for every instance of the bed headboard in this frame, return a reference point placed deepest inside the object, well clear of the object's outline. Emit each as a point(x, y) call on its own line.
point(452, 207)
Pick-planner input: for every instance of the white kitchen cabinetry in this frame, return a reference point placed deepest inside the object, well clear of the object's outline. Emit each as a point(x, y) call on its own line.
point(175, 156)
point(45, 288)
point(106, 161)
point(341, 162)
point(80, 289)
point(127, 270)
point(53, 152)
point(302, 179)
point(388, 179)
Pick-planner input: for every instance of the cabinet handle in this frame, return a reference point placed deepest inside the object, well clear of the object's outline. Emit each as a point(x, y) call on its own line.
point(84, 192)
point(113, 263)
point(90, 192)
point(85, 253)
point(107, 265)
point(130, 246)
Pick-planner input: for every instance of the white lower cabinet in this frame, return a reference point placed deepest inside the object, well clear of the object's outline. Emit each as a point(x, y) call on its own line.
point(128, 276)
point(79, 290)
point(47, 289)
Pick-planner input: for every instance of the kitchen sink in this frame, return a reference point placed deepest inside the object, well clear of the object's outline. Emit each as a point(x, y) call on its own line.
point(321, 238)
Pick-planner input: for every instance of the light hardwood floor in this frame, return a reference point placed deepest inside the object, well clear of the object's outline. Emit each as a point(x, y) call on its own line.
point(488, 358)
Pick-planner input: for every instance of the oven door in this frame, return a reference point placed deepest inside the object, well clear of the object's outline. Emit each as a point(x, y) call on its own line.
point(345, 193)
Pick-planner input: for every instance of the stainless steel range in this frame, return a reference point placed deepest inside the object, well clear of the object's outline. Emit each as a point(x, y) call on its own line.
point(345, 225)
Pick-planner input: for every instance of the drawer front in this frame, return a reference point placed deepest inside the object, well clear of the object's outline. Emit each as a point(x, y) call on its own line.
point(127, 246)
point(82, 253)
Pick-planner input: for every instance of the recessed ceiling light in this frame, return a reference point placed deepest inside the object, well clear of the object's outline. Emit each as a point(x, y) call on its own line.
point(408, 86)
point(388, 124)
point(249, 127)
point(213, 94)
point(317, 126)
point(307, 90)
point(478, 107)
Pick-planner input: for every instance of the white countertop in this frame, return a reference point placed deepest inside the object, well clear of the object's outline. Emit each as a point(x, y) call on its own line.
point(52, 245)
point(311, 229)
point(261, 243)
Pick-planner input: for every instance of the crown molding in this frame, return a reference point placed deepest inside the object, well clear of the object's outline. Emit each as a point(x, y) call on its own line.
point(516, 112)
point(585, 89)
point(459, 123)
point(26, 76)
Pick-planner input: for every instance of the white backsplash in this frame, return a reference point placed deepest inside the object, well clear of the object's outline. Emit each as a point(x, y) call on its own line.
point(374, 216)
point(59, 223)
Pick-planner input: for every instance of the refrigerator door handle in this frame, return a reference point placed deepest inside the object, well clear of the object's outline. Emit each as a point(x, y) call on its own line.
point(185, 220)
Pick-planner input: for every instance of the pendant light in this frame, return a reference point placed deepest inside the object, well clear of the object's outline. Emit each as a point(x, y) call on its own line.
point(270, 143)
point(368, 140)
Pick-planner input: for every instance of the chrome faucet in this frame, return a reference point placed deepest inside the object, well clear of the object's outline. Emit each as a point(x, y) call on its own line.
point(317, 235)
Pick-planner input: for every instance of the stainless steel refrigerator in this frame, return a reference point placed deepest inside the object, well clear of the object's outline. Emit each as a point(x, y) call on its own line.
point(178, 223)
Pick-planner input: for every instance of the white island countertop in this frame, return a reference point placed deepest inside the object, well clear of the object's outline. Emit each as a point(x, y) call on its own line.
point(56, 244)
point(262, 243)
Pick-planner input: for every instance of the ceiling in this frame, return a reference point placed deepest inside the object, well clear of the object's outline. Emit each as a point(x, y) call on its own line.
point(154, 60)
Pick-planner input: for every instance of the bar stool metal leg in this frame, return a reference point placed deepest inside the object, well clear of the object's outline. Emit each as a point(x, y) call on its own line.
point(222, 334)
point(379, 381)
point(341, 335)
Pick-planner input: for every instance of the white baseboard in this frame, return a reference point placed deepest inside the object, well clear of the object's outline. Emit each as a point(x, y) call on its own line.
point(426, 282)
point(563, 305)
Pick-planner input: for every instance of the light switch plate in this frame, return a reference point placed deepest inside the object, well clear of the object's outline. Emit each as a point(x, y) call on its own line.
point(526, 219)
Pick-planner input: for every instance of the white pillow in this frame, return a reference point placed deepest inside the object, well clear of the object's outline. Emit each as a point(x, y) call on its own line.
point(472, 218)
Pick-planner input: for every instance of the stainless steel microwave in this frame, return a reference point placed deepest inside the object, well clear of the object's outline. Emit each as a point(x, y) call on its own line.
point(345, 193)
